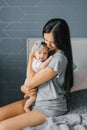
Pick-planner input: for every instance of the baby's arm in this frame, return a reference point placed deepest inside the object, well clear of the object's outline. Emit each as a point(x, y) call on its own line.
point(45, 63)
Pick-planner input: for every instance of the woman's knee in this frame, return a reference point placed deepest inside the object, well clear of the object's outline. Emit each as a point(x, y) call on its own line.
point(3, 126)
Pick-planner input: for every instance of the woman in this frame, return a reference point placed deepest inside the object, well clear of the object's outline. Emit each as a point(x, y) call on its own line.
point(53, 81)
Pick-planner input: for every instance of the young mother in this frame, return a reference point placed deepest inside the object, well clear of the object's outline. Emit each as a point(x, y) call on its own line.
point(52, 82)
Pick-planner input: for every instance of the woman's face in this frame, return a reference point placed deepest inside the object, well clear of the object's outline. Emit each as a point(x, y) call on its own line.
point(49, 40)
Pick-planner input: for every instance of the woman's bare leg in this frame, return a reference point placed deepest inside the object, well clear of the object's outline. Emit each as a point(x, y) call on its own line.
point(12, 110)
point(24, 120)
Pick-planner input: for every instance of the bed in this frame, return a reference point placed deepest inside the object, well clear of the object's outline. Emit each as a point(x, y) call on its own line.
point(76, 118)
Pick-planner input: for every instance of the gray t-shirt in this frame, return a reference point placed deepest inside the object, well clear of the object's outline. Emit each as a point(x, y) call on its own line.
point(50, 94)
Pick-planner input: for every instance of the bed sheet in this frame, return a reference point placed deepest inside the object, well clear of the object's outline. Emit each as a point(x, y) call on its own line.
point(77, 113)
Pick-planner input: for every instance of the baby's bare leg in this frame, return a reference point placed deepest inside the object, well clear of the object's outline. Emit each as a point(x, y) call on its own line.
point(29, 102)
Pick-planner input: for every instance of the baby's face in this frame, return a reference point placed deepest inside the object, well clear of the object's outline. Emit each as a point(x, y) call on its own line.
point(41, 54)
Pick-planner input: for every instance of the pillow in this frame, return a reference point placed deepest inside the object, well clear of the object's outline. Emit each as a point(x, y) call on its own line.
point(80, 80)
point(75, 67)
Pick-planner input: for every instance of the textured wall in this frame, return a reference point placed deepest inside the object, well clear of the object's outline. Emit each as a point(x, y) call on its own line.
point(20, 19)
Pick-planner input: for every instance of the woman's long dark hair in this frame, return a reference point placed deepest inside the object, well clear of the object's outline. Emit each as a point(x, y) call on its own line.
point(61, 34)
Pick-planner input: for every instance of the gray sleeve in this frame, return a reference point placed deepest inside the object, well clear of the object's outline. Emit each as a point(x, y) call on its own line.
point(58, 64)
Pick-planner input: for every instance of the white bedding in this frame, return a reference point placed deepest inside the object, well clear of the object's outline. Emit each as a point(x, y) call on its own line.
point(67, 122)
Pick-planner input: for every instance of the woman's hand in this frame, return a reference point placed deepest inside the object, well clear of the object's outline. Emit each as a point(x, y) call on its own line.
point(28, 91)
point(32, 54)
point(31, 91)
point(24, 89)
point(30, 71)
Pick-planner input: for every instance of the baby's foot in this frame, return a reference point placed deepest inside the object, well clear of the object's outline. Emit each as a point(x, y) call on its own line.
point(26, 109)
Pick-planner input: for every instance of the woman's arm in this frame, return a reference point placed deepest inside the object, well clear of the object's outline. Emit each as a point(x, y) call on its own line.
point(41, 77)
point(35, 79)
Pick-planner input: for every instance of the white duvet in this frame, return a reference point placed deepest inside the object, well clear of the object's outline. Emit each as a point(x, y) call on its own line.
point(65, 122)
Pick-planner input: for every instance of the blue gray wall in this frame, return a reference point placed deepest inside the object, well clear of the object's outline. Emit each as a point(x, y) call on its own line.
point(21, 19)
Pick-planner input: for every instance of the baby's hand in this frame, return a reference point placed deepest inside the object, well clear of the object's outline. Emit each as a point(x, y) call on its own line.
point(50, 57)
